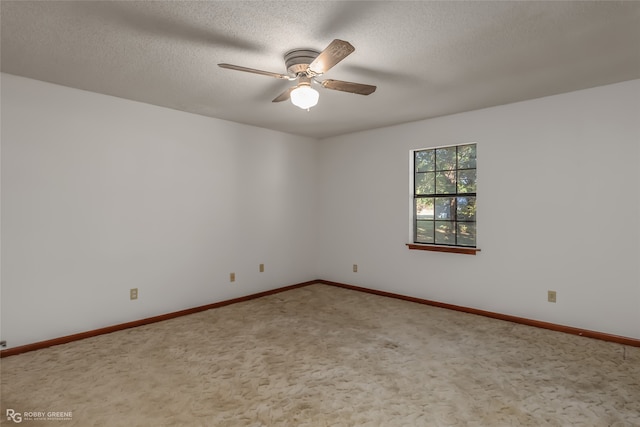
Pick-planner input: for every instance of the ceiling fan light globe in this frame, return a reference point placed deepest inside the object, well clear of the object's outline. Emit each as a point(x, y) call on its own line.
point(304, 97)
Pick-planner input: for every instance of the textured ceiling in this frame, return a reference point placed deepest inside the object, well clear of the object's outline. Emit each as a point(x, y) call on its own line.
point(427, 58)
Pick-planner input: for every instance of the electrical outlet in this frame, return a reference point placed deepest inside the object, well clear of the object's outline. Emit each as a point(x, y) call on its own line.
point(355, 268)
point(232, 277)
point(133, 293)
point(551, 296)
point(261, 268)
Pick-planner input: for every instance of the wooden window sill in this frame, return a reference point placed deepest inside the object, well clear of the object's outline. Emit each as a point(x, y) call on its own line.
point(439, 248)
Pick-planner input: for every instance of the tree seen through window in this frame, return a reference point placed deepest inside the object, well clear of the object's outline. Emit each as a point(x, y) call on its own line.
point(445, 196)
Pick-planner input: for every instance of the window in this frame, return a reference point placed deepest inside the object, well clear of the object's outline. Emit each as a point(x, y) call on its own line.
point(444, 196)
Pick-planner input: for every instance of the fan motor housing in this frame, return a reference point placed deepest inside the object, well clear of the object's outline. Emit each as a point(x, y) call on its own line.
point(297, 60)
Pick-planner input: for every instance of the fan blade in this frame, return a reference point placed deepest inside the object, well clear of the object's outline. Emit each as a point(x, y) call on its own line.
point(359, 88)
point(334, 53)
point(284, 95)
point(254, 71)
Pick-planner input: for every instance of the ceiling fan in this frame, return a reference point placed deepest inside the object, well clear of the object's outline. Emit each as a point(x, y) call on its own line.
point(305, 65)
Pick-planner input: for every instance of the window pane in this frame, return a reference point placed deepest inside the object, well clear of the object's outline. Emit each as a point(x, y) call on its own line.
point(425, 183)
point(446, 158)
point(466, 209)
point(424, 231)
point(467, 156)
point(425, 161)
point(424, 208)
point(446, 182)
point(467, 181)
point(466, 234)
point(445, 232)
point(445, 207)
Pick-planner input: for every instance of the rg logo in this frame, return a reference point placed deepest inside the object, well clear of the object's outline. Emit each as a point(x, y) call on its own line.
point(14, 416)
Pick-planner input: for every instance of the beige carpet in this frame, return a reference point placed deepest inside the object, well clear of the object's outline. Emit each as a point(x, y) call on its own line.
point(327, 356)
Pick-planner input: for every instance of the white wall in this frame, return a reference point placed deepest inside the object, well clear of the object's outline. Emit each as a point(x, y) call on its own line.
point(100, 195)
point(558, 209)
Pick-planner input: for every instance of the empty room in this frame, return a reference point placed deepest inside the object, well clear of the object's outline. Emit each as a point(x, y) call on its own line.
point(320, 213)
